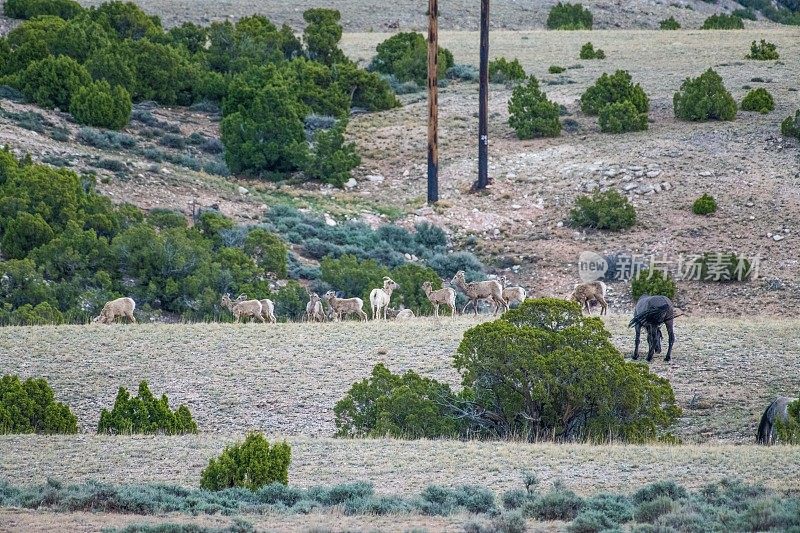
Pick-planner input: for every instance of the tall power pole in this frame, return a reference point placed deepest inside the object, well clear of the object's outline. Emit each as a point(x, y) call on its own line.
point(483, 108)
point(433, 101)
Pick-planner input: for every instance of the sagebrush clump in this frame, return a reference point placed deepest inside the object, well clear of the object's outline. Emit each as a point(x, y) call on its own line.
point(29, 407)
point(531, 114)
point(704, 98)
point(566, 16)
point(145, 414)
point(588, 51)
point(705, 205)
point(758, 100)
point(652, 282)
point(503, 71)
point(763, 51)
point(250, 464)
point(608, 210)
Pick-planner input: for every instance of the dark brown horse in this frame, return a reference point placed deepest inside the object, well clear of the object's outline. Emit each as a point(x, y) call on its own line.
point(650, 313)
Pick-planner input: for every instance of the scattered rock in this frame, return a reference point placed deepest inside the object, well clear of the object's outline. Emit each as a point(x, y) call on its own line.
point(242, 190)
point(349, 184)
point(376, 178)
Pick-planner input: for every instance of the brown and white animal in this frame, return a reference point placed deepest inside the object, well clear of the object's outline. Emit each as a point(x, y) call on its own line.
point(314, 309)
point(268, 310)
point(345, 306)
point(512, 295)
point(480, 290)
point(445, 296)
point(243, 308)
point(379, 298)
point(121, 307)
point(593, 291)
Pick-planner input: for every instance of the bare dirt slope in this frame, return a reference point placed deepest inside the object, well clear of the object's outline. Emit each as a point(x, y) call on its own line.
point(375, 15)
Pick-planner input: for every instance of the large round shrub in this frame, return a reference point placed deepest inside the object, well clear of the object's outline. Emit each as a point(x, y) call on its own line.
point(102, 106)
point(322, 35)
point(566, 16)
point(531, 114)
point(621, 117)
point(26, 9)
point(723, 22)
point(114, 65)
point(758, 100)
point(53, 81)
point(405, 55)
point(616, 87)
point(652, 282)
point(267, 250)
point(250, 464)
point(607, 210)
point(502, 70)
point(163, 74)
point(126, 19)
point(704, 98)
point(545, 370)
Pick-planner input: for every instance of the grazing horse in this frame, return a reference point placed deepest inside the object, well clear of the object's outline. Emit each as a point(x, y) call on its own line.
point(777, 410)
point(651, 312)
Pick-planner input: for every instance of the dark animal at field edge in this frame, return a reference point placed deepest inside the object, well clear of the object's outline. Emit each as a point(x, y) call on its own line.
point(650, 312)
point(777, 410)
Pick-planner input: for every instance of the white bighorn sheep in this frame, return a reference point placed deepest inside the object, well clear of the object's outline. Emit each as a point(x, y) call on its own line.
point(345, 306)
point(379, 298)
point(512, 295)
point(243, 308)
point(268, 310)
point(446, 296)
point(314, 309)
point(593, 291)
point(480, 290)
point(121, 307)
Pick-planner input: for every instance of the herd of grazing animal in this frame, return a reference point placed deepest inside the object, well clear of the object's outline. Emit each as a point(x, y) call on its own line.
point(650, 313)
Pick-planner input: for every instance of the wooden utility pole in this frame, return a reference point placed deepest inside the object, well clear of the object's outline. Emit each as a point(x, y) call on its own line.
point(433, 101)
point(483, 108)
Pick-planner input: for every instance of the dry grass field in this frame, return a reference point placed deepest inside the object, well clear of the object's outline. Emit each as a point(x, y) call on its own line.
point(285, 379)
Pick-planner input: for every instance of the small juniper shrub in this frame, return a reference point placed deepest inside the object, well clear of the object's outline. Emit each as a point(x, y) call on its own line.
point(669, 24)
point(758, 100)
point(704, 98)
point(145, 414)
point(531, 114)
point(622, 117)
point(705, 205)
point(722, 267)
point(588, 51)
point(790, 127)
point(723, 22)
point(29, 407)
point(616, 87)
point(250, 464)
point(566, 16)
point(555, 69)
point(607, 210)
point(503, 71)
point(652, 282)
point(763, 51)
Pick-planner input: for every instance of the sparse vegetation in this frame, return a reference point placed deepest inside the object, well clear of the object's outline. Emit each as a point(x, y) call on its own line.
point(763, 51)
point(531, 114)
point(566, 16)
point(29, 407)
point(555, 69)
point(250, 464)
point(604, 210)
point(588, 51)
point(705, 205)
point(704, 98)
point(145, 414)
point(790, 127)
point(758, 100)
